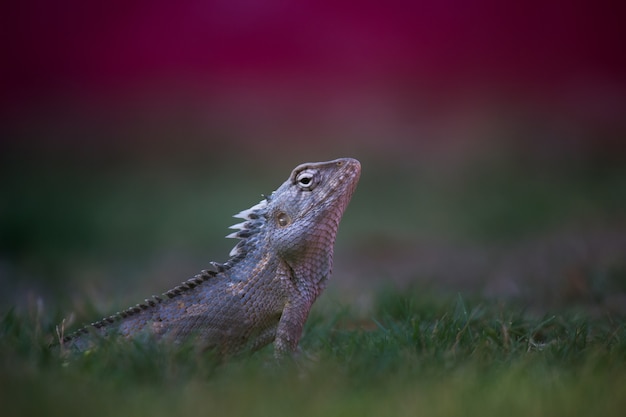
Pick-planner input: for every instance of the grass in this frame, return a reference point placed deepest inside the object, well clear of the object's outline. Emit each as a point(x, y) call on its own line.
point(64, 235)
point(413, 356)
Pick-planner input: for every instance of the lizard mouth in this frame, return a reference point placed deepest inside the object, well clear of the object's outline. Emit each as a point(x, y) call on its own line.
point(342, 184)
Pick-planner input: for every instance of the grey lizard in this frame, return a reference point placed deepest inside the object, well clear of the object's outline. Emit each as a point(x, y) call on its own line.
point(263, 293)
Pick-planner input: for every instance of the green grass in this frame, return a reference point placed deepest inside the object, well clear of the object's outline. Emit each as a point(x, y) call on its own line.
point(412, 356)
point(70, 228)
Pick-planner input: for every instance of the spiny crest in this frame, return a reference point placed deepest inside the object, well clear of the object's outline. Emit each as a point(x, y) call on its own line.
point(148, 302)
point(248, 230)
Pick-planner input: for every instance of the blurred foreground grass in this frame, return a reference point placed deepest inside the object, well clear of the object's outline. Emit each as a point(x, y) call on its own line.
point(414, 356)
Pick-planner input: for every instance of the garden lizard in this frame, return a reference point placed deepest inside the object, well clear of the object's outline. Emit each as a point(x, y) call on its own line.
point(263, 293)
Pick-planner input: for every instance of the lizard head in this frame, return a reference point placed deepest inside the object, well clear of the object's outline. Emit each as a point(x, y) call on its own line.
point(300, 219)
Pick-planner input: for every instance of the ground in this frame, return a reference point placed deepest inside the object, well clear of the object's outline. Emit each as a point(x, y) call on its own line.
point(492, 289)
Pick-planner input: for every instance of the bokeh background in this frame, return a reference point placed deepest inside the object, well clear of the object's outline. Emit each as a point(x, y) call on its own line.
point(491, 134)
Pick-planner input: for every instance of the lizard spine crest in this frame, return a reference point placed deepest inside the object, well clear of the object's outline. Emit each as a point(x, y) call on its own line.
point(247, 231)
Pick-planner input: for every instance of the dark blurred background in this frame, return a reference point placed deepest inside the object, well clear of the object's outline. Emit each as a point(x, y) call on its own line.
point(492, 138)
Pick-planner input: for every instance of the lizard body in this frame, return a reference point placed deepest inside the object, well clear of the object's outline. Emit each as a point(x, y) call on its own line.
point(265, 291)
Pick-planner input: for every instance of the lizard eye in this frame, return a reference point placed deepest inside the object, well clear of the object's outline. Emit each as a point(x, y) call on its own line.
point(305, 180)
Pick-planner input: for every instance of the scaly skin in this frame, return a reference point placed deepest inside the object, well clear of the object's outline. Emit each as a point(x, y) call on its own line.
point(265, 291)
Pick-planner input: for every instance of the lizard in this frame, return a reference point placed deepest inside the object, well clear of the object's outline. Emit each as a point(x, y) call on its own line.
point(263, 293)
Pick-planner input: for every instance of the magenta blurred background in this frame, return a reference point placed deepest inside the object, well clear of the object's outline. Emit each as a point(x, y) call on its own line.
point(491, 136)
point(350, 76)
